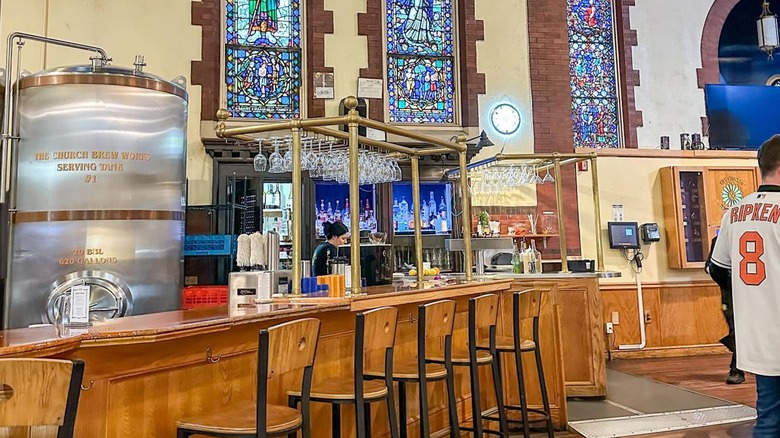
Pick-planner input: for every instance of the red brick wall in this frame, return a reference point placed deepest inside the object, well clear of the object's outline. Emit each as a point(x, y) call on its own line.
point(371, 25)
point(551, 100)
point(709, 73)
point(472, 83)
point(206, 72)
point(629, 77)
point(318, 23)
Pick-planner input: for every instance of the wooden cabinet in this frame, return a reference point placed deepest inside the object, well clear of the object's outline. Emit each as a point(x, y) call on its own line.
point(694, 199)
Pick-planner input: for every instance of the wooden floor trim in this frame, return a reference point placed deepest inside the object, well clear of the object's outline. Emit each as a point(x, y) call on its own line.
point(657, 352)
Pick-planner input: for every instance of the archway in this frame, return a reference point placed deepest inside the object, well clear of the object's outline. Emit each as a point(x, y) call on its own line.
point(709, 73)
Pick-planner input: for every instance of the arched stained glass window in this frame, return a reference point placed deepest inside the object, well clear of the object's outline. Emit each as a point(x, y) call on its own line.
point(263, 58)
point(594, 98)
point(420, 61)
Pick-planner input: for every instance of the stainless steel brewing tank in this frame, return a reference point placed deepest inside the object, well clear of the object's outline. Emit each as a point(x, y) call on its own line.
point(99, 193)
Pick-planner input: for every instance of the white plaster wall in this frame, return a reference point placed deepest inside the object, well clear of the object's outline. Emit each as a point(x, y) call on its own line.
point(503, 57)
point(635, 183)
point(159, 30)
point(669, 52)
point(345, 50)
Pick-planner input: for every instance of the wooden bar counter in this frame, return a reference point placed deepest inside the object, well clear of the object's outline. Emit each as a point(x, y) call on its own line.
point(145, 372)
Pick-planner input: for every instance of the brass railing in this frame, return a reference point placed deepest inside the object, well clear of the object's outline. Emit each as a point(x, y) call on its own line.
point(354, 122)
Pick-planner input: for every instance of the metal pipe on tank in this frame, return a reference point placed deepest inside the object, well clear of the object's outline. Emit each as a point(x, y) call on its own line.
point(7, 116)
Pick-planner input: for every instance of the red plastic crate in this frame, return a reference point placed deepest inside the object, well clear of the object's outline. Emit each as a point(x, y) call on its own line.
point(199, 297)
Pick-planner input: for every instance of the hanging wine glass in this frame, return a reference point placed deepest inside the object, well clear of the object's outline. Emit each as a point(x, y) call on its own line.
point(536, 179)
point(548, 178)
point(260, 162)
point(276, 160)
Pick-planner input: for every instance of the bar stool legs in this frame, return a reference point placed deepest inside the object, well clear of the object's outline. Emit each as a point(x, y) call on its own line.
point(499, 390)
point(402, 407)
point(451, 410)
point(521, 386)
point(476, 406)
point(543, 383)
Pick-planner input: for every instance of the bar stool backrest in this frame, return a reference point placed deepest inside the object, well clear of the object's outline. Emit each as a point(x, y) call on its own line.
point(378, 329)
point(484, 311)
point(287, 348)
point(529, 303)
point(40, 392)
point(437, 320)
point(291, 346)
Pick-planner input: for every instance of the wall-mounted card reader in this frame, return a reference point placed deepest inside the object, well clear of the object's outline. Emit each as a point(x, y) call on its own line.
point(650, 233)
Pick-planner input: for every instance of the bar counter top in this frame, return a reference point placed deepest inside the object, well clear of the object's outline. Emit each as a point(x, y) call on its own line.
point(167, 325)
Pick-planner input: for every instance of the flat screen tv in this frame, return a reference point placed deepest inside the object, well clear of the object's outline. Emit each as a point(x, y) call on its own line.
point(742, 116)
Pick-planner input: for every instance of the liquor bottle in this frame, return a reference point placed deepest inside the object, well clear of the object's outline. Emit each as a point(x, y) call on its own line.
point(403, 216)
point(537, 257)
point(337, 213)
point(527, 268)
point(330, 212)
point(517, 261)
point(442, 205)
point(424, 215)
point(431, 206)
point(444, 225)
point(346, 216)
point(396, 212)
point(274, 197)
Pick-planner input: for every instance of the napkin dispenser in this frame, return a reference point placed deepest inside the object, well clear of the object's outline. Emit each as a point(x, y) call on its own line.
point(243, 288)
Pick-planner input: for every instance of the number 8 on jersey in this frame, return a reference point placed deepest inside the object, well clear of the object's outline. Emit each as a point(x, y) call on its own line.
point(752, 270)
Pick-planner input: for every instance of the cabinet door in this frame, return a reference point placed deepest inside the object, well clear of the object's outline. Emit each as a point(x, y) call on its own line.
point(685, 216)
point(725, 188)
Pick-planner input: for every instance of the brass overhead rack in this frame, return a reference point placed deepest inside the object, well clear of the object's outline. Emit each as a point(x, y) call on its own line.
point(323, 126)
point(543, 162)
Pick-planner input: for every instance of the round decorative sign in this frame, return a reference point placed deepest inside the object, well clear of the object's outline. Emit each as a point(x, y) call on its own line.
point(505, 119)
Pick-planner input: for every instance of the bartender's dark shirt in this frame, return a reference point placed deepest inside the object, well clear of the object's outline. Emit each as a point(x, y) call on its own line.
point(319, 263)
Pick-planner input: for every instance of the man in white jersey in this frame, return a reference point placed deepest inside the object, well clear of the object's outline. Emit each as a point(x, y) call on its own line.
point(747, 256)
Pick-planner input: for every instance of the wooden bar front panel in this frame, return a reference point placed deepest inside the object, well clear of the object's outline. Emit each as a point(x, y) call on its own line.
point(140, 385)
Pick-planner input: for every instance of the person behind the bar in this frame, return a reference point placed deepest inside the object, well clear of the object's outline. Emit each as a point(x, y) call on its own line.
point(335, 235)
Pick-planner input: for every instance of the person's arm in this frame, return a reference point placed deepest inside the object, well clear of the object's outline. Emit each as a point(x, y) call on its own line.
point(720, 256)
point(721, 276)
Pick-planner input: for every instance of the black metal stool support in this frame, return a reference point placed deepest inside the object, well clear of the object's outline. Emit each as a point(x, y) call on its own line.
point(422, 378)
point(425, 420)
point(363, 406)
point(517, 351)
point(473, 365)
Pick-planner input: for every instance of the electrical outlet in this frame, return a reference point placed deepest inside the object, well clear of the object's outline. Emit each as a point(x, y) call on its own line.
point(615, 317)
point(648, 319)
point(609, 328)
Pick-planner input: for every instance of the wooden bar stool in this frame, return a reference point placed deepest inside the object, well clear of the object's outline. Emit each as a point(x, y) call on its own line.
point(525, 305)
point(435, 322)
point(483, 315)
point(36, 393)
point(284, 348)
point(374, 340)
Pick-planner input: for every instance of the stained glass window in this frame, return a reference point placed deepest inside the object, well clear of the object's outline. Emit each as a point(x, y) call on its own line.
point(420, 61)
point(593, 76)
point(263, 58)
